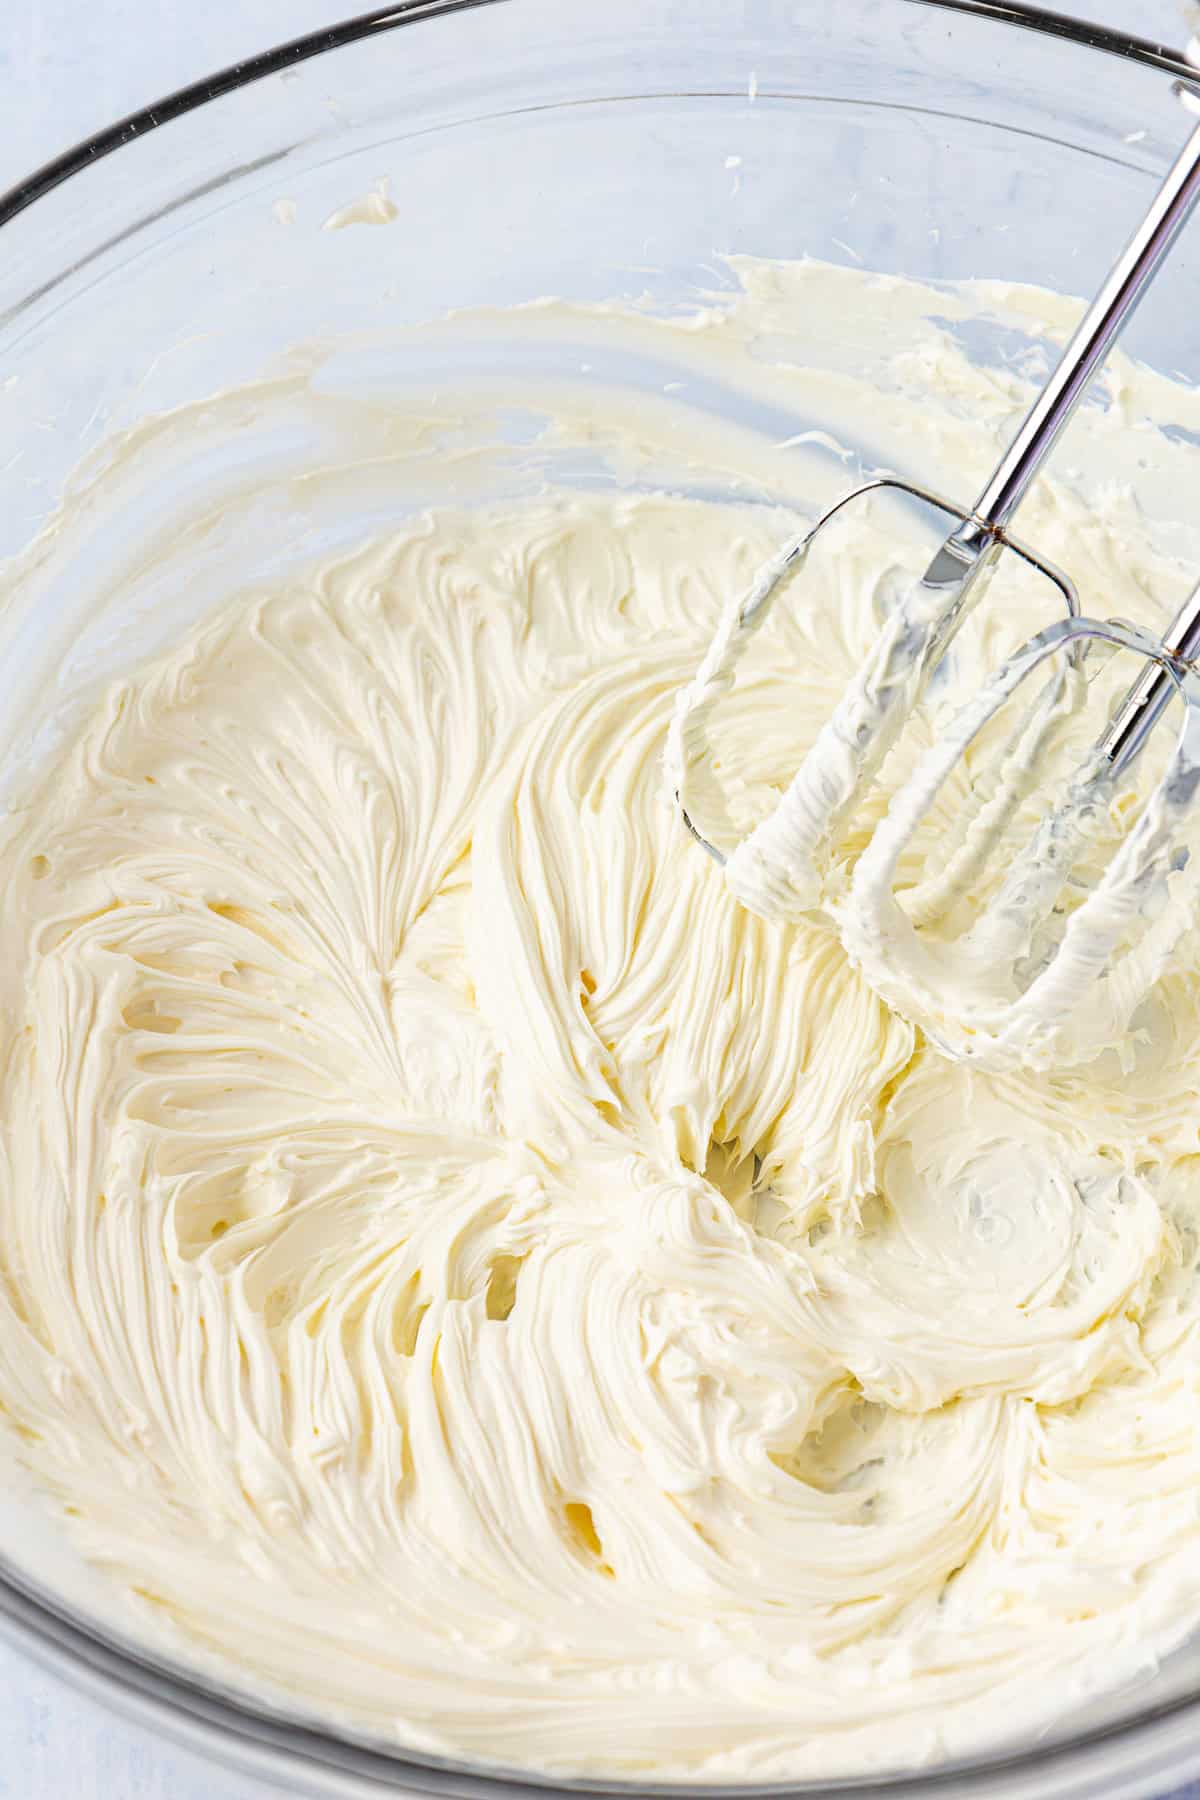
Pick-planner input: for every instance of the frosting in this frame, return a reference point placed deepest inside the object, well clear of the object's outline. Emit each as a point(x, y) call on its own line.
point(466, 1279)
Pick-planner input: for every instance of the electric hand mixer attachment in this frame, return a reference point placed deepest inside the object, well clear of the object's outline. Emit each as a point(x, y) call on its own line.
point(994, 994)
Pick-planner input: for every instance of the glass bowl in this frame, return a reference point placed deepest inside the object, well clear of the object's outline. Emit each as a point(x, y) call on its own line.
point(515, 150)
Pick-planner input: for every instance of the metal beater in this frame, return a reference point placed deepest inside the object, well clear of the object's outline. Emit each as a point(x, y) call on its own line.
point(995, 995)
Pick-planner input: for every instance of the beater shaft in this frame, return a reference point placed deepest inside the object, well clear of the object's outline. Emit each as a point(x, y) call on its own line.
point(961, 567)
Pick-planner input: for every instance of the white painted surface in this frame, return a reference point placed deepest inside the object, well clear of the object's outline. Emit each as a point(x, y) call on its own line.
point(68, 67)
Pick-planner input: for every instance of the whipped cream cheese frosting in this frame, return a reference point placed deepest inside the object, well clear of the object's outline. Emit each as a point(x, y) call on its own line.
point(467, 1280)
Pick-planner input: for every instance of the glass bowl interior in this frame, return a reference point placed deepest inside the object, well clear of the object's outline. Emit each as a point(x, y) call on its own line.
point(287, 224)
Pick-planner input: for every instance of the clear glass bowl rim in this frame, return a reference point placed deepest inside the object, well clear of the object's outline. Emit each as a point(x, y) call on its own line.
point(202, 1717)
point(382, 19)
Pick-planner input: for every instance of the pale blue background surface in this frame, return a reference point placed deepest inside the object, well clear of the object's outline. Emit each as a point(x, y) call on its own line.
point(68, 67)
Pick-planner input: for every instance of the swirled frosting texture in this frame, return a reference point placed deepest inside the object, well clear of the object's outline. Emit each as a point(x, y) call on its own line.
point(465, 1274)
